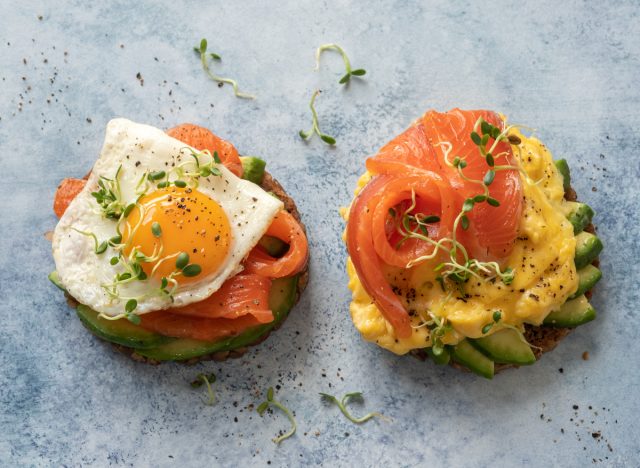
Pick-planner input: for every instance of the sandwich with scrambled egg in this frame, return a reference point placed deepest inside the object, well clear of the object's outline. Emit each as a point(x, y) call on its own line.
point(176, 248)
point(466, 244)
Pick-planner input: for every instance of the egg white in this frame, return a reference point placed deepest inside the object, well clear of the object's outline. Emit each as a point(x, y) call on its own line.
point(139, 148)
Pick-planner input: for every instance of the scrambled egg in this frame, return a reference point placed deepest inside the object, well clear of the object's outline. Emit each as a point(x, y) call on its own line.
point(545, 274)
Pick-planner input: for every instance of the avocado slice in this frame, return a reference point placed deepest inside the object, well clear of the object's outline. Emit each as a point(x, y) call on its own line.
point(119, 331)
point(588, 276)
point(563, 169)
point(274, 246)
point(281, 300)
point(588, 247)
point(575, 312)
point(464, 353)
point(506, 346)
point(442, 358)
point(253, 169)
point(54, 277)
point(580, 216)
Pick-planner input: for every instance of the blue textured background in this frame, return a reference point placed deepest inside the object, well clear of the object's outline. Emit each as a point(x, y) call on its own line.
point(570, 69)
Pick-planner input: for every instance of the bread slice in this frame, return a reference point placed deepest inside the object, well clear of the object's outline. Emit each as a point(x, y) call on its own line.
point(269, 184)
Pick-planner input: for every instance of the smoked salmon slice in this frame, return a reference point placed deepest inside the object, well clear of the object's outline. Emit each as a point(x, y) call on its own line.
point(428, 190)
point(240, 295)
point(408, 152)
point(203, 139)
point(285, 227)
point(492, 229)
point(366, 261)
point(198, 328)
point(66, 192)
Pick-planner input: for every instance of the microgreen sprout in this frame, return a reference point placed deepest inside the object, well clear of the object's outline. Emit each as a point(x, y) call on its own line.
point(129, 307)
point(497, 316)
point(109, 196)
point(206, 379)
point(182, 260)
point(188, 269)
point(153, 176)
point(346, 78)
point(205, 60)
point(315, 127)
point(156, 230)
point(192, 270)
point(262, 407)
point(188, 172)
point(98, 247)
point(342, 404)
point(438, 327)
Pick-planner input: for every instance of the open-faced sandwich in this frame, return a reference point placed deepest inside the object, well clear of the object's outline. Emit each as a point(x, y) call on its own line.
point(466, 244)
point(176, 248)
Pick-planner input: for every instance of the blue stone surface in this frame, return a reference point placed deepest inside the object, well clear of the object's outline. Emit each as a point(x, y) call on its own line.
point(569, 69)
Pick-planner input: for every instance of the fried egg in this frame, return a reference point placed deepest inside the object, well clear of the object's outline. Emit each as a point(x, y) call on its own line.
point(158, 224)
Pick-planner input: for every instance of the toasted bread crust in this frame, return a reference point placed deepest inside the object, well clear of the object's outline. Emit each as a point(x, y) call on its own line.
point(269, 184)
point(542, 339)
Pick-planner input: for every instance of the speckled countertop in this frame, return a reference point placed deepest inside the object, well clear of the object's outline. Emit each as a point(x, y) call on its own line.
point(569, 69)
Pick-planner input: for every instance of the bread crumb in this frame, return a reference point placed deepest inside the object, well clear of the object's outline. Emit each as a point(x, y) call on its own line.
point(585, 356)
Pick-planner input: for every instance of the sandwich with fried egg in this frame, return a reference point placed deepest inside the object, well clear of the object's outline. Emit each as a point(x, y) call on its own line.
point(176, 248)
point(466, 244)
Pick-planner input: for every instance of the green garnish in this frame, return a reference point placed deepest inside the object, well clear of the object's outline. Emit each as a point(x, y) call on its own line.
point(342, 404)
point(133, 318)
point(346, 78)
point(130, 305)
point(189, 270)
point(497, 316)
point(262, 407)
point(315, 127)
point(206, 380)
point(98, 248)
point(182, 260)
point(127, 211)
point(439, 328)
point(156, 230)
point(204, 59)
point(109, 197)
point(192, 270)
point(156, 175)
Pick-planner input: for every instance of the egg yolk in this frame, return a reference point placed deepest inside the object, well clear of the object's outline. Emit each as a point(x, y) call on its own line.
point(187, 221)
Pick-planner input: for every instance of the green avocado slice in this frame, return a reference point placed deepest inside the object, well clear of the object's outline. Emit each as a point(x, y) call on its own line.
point(442, 358)
point(563, 169)
point(119, 331)
point(274, 246)
point(575, 312)
point(506, 346)
point(281, 300)
point(588, 247)
point(580, 216)
point(587, 278)
point(253, 169)
point(55, 279)
point(464, 353)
